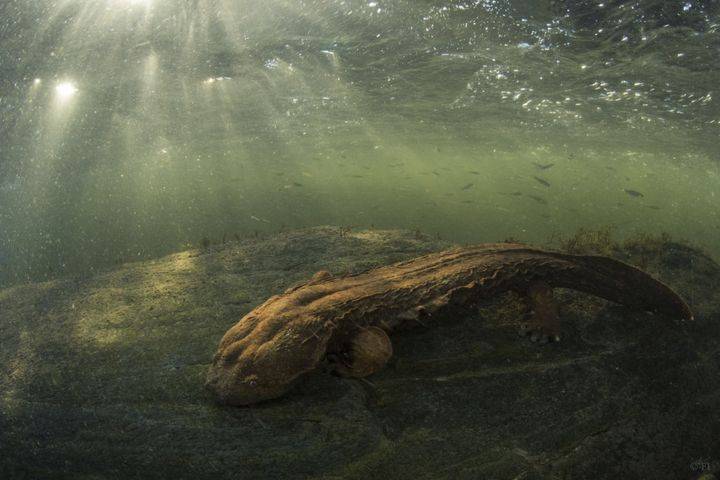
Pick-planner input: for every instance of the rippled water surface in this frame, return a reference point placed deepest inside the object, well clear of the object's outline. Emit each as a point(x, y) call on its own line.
point(133, 128)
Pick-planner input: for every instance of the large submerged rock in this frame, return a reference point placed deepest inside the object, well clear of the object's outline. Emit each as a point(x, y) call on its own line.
point(103, 378)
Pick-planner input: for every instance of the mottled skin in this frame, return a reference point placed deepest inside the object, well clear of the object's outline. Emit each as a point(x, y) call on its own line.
point(292, 333)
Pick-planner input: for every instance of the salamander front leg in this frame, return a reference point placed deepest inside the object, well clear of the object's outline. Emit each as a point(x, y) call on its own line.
point(366, 353)
point(544, 322)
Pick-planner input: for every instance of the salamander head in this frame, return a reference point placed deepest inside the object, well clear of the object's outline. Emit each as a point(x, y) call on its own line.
point(263, 365)
point(231, 386)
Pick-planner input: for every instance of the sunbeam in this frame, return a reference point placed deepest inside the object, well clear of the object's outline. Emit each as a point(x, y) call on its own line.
point(65, 90)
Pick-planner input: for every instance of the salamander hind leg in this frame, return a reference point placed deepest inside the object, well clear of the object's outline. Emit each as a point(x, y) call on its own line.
point(366, 353)
point(544, 321)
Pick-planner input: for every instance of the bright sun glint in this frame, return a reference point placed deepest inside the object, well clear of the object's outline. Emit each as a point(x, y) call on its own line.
point(66, 89)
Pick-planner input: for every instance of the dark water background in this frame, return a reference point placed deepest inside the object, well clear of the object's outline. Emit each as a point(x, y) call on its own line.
point(133, 128)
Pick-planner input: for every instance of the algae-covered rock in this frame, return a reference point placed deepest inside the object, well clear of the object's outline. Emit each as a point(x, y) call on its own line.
point(103, 378)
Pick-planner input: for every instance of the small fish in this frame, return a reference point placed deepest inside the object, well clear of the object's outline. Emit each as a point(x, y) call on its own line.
point(543, 166)
point(633, 193)
point(434, 172)
point(654, 207)
point(474, 172)
point(542, 181)
point(258, 219)
point(400, 164)
point(297, 184)
point(468, 186)
point(538, 199)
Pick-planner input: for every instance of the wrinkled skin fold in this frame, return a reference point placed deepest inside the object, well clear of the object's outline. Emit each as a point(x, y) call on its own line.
point(290, 334)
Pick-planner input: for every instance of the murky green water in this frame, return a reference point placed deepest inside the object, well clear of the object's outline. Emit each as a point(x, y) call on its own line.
point(133, 128)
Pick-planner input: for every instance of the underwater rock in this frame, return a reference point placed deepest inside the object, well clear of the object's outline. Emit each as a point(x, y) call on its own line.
point(102, 378)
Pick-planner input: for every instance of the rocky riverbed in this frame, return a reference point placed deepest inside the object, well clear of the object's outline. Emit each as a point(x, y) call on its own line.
point(103, 377)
